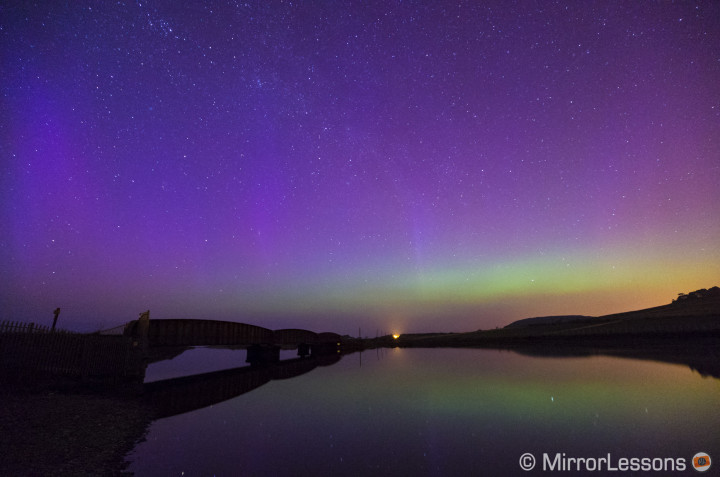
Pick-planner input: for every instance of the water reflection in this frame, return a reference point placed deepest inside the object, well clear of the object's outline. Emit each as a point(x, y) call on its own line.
point(428, 412)
point(174, 396)
point(701, 354)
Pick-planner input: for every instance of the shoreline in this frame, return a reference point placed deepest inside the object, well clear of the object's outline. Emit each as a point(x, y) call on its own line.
point(58, 433)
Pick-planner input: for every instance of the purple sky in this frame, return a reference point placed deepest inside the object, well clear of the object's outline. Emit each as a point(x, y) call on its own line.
point(396, 166)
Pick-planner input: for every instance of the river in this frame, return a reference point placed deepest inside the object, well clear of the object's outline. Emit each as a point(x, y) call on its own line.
point(421, 412)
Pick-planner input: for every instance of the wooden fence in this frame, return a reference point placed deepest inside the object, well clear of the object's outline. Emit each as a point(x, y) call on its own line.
point(27, 349)
point(19, 327)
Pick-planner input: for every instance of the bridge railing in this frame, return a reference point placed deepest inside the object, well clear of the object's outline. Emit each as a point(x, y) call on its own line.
point(179, 332)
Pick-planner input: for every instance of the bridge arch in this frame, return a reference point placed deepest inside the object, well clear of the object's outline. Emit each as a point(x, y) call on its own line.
point(294, 336)
point(191, 332)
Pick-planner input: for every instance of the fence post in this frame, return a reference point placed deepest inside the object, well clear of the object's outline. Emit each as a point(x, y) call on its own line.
point(56, 313)
point(142, 331)
point(84, 359)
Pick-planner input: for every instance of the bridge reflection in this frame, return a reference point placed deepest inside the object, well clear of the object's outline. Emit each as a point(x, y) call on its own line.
point(175, 396)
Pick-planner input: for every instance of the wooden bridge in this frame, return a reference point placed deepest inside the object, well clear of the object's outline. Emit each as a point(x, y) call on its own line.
point(263, 344)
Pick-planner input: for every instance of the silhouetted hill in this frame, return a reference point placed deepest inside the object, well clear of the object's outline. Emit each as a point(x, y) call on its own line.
point(696, 315)
point(548, 320)
point(687, 307)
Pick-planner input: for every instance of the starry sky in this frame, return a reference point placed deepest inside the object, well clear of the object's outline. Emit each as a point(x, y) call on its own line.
point(399, 166)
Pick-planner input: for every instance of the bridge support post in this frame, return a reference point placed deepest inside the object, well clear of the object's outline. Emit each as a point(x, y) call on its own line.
point(303, 349)
point(259, 354)
point(142, 331)
point(325, 349)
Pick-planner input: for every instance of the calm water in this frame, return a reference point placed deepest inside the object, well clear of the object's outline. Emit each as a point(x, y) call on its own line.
point(433, 412)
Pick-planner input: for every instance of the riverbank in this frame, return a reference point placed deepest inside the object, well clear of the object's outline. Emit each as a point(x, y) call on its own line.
point(51, 433)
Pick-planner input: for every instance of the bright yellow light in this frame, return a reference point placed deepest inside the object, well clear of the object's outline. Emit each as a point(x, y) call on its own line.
point(396, 336)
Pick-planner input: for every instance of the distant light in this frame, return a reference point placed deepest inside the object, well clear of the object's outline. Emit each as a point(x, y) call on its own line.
point(396, 336)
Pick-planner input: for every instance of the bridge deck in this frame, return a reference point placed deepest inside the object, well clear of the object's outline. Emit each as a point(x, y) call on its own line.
point(193, 332)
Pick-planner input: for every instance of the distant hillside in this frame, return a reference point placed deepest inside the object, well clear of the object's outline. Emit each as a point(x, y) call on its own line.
point(703, 302)
point(548, 320)
point(697, 316)
point(696, 303)
point(700, 294)
point(645, 334)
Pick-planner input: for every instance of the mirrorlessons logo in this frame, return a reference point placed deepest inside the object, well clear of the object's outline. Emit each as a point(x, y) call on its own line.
point(560, 462)
point(701, 462)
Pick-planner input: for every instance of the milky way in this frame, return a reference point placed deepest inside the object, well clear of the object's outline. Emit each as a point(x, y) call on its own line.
point(397, 166)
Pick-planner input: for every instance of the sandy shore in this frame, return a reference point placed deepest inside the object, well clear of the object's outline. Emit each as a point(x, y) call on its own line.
point(50, 433)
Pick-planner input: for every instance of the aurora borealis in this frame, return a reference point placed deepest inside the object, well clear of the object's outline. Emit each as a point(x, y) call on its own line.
point(401, 166)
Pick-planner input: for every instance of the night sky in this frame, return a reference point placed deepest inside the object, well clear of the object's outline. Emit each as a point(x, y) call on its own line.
point(395, 166)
